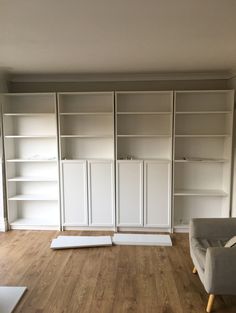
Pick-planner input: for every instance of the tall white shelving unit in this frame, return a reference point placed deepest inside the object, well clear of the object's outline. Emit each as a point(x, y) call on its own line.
point(31, 156)
point(166, 173)
point(144, 159)
point(86, 129)
point(202, 157)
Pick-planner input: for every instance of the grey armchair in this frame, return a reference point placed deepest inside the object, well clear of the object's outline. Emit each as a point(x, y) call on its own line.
point(215, 265)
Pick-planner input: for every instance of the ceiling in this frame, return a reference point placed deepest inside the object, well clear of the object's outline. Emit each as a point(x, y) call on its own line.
point(117, 36)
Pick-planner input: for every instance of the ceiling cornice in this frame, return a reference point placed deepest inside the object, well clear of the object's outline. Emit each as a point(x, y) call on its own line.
point(119, 77)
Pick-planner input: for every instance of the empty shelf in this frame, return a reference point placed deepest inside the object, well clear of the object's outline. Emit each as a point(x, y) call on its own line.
point(28, 114)
point(86, 113)
point(33, 198)
point(143, 136)
point(36, 179)
point(30, 160)
point(203, 112)
point(33, 222)
point(203, 135)
point(144, 113)
point(198, 192)
point(87, 136)
point(30, 136)
point(201, 160)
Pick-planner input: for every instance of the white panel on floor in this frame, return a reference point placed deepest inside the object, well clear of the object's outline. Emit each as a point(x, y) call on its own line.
point(67, 242)
point(141, 240)
point(9, 297)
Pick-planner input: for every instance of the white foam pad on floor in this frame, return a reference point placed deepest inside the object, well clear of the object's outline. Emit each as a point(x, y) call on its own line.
point(9, 297)
point(142, 240)
point(67, 242)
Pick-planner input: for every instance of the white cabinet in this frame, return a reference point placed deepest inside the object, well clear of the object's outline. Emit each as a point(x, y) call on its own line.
point(75, 193)
point(130, 193)
point(101, 193)
point(88, 193)
point(157, 193)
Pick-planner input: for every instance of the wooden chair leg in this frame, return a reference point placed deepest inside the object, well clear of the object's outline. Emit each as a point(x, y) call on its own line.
point(194, 270)
point(210, 303)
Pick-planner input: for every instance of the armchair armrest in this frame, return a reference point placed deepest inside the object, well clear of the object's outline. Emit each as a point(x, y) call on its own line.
point(213, 228)
point(220, 271)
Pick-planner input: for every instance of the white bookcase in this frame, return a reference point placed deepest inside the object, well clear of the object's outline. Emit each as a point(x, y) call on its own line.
point(171, 165)
point(31, 156)
point(86, 130)
point(202, 155)
point(144, 158)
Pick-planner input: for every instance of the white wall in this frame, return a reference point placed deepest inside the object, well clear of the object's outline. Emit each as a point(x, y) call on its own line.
point(232, 85)
point(3, 221)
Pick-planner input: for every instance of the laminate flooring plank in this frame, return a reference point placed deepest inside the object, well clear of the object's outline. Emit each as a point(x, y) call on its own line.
point(126, 300)
point(105, 291)
point(61, 296)
point(82, 296)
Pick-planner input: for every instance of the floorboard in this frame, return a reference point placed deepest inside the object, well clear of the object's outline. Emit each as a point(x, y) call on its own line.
point(118, 279)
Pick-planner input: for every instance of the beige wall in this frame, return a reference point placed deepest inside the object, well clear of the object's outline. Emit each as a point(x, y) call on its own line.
point(232, 85)
point(3, 82)
point(3, 88)
point(117, 85)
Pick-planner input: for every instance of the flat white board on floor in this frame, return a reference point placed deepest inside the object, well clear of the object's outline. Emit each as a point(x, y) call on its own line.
point(142, 240)
point(67, 242)
point(9, 297)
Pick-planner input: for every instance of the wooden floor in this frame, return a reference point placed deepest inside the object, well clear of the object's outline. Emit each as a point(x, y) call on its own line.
point(114, 279)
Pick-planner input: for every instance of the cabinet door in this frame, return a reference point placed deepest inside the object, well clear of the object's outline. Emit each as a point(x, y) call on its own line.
point(130, 193)
point(157, 196)
point(101, 193)
point(74, 184)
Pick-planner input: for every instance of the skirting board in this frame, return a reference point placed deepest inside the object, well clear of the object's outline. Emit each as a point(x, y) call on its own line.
point(68, 242)
point(9, 298)
point(142, 240)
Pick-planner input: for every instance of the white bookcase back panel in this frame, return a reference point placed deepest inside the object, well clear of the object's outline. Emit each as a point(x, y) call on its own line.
point(31, 149)
point(205, 148)
point(34, 212)
point(87, 148)
point(86, 102)
point(144, 102)
point(144, 125)
point(28, 169)
point(203, 124)
point(87, 125)
point(33, 188)
point(204, 101)
point(206, 176)
point(29, 103)
point(31, 125)
point(197, 207)
point(144, 148)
